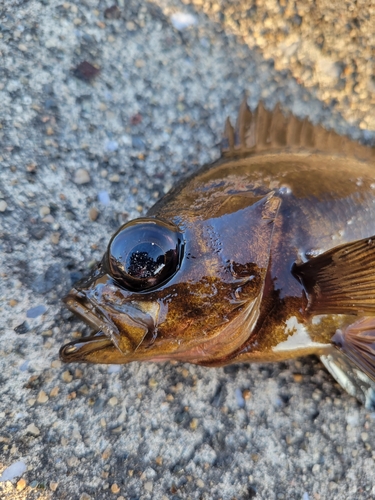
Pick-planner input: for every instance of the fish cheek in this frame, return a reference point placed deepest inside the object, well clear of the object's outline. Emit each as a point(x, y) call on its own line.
point(202, 310)
point(131, 335)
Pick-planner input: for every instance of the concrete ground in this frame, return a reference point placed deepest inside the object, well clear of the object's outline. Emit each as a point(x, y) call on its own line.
point(85, 147)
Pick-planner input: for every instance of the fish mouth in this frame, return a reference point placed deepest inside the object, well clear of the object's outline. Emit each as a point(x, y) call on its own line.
point(106, 344)
point(77, 302)
point(77, 350)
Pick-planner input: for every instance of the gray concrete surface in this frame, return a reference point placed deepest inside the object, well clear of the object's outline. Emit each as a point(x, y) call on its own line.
point(154, 112)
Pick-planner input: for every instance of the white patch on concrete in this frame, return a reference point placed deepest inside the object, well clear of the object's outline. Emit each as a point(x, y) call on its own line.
point(182, 20)
point(299, 337)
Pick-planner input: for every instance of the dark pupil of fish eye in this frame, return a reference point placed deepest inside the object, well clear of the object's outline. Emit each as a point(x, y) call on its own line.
point(145, 260)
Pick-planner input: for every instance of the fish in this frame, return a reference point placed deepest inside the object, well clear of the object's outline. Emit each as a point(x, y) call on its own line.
point(265, 255)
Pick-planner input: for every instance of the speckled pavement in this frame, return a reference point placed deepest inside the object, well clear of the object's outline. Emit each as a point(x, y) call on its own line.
point(85, 147)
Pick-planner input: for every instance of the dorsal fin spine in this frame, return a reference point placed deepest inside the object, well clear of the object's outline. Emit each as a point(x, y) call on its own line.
point(274, 131)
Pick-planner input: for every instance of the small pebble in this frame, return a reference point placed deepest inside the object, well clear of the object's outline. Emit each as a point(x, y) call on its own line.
point(22, 328)
point(85, 496)
point(33, 430)
point(239, 398)
point(93, 213)
point(3, 205)
point(364, 436)
point(194, 424)
point(31, 167)
point(152, 383)
point(36, 311)
point(113, 401)
point(200, 483)
point(149, 486)
point(115, 489)
point(14, 470)
point(53, 485)
point(106, 454)
point(86, 71)
point(130, 26)
point(48, 219)
point(55, 238)
point(182, 20)
point(72, 461)
point(25, 366)
point(81, 176)
point(54, 392)
point(137, 142)
point(126, 140)
point(246, 394)
point(316, 469)
point(111, 146)
point(112, 12)
point(42, 397)
point(103, 197)
point(114, 178)
point(67, 376)
point(21, 484)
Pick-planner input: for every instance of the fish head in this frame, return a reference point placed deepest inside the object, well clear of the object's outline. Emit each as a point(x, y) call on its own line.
point(187, 288)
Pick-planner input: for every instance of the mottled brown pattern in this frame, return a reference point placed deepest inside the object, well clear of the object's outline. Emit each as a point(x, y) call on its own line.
point(283, 193)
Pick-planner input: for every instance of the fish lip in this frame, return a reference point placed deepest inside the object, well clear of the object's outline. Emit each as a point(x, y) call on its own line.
point(98, 318)
point(80, 304)
point(77, 302)
point(72, 351)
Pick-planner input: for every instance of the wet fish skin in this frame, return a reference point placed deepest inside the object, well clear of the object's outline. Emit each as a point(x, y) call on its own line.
point(263, 233)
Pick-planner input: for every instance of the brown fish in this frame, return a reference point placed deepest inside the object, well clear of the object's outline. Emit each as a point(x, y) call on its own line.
point(266, 254)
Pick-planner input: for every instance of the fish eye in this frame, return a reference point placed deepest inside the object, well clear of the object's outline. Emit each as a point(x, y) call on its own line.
point(145, 253)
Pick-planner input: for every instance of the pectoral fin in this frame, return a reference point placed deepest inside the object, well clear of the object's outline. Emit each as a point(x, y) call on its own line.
point(357, 342)
point(341, 280)
point(350, 377)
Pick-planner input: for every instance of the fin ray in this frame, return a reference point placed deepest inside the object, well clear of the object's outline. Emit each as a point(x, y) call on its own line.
point(347, 373)
point(264, 130)
point(357, 342)
point(341, 280)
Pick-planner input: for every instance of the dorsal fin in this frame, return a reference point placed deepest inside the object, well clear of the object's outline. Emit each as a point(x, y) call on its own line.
point(264, 130)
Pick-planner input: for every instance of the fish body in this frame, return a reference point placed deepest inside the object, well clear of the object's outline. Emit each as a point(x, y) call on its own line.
point(266, 254)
